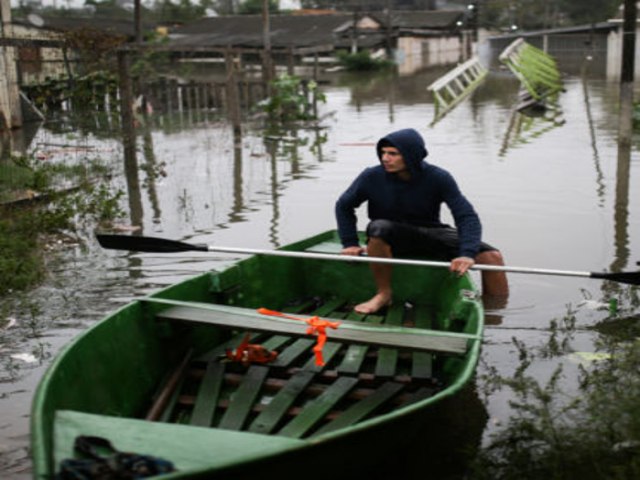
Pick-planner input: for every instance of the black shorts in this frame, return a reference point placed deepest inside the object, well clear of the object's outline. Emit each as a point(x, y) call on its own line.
point(410, 240)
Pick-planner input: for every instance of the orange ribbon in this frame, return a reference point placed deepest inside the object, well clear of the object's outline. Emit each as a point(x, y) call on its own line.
point(317, 326)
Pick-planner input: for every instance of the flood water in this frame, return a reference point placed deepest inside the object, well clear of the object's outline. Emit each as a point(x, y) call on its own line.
point(549, 196)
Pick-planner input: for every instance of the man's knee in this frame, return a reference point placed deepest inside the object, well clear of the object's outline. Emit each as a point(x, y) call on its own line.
point(490, 257)
point(380, 229)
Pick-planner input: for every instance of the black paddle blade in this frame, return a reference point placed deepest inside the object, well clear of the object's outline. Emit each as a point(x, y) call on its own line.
point(632, 278)
point(146, 244)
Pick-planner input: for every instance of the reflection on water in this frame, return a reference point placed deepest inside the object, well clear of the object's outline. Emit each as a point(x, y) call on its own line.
point(621, 217)
point(565, 198)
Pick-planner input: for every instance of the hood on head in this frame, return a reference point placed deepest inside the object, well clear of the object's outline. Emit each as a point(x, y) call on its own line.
point(409, 143)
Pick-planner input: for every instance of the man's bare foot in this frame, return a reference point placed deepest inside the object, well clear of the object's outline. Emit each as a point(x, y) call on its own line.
point(377, 302)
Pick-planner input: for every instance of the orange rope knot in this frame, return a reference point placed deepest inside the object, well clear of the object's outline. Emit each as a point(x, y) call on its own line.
point(247, 353)
point(317, 326)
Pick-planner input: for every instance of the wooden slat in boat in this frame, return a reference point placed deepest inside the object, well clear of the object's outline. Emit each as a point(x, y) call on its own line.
point(329, 351)
point(355, 354)
point(422, 361)
point(238, 411)
point(208, 393)
point(363, 408)
point(318, 408)
point(388, 357)
point(168, 394)
point(266, 421)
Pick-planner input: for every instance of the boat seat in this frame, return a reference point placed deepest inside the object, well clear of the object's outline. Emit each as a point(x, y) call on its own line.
point(188, 448)
point(330, 246)
point(348, 332)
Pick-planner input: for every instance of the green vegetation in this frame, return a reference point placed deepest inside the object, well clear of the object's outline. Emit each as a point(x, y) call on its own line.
point(590, 432)
point(25, 230)
point(361, 61)
point(253, 7)
point(183, 11)
point(292, 100)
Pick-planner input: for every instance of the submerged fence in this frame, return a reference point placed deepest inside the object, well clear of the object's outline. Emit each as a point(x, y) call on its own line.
point(102, 93)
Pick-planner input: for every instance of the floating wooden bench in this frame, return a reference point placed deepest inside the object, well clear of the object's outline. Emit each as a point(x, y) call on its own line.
point(349, 331)
point(536, 70)
point(455, 85)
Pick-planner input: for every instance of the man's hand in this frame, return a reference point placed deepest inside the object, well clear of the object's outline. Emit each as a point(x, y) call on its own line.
point(460, 265)
point(355, 251)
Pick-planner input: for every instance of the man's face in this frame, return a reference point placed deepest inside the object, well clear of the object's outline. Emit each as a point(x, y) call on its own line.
point(392, 160)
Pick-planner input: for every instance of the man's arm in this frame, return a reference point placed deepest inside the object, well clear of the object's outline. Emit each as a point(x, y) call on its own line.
point(466, 220)
point(346, 219)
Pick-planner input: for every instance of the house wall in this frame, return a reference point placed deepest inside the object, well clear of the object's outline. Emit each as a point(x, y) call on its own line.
point(416, 53)
point(36, 64)
point(614, 54)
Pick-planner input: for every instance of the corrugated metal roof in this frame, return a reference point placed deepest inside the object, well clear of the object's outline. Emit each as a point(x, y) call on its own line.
point(429, 20)
point(246, 30)
point(302, 30)
point(106, 25)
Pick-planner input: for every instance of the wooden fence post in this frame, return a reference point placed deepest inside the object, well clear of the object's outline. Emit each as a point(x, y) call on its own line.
point(233, 105)
point(129, 139)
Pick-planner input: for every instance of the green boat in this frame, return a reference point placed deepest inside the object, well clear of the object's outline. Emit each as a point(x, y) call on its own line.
point(171, 375)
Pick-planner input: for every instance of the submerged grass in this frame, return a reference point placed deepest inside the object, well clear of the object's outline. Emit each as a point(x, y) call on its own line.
point(27, 227)
point(591, 433)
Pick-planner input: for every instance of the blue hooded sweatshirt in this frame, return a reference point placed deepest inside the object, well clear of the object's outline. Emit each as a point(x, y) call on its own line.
point(415, 202)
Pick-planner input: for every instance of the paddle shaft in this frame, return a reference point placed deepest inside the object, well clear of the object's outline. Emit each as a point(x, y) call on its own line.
point(163, 245)
point(392, 261)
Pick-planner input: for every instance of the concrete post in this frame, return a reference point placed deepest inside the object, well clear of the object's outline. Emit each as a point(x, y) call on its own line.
point(627, 72)
point(10, 111)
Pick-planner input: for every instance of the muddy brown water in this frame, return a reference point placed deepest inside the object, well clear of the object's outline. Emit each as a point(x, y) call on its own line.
point(549, 194)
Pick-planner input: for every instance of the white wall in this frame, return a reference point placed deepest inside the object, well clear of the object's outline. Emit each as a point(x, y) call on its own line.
point(415, 53)
point(614, 54)
point(51, 62)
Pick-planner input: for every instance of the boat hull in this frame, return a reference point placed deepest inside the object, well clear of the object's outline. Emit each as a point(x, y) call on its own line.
point(111, 379)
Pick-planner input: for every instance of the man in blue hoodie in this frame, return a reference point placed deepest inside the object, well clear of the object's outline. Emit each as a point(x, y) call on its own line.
point(404, 195)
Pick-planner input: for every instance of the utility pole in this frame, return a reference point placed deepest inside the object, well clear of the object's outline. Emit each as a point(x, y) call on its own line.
point(267, 68)
point(475, 19)
point(137, 21)
point(627, 70)
point(389, 29)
